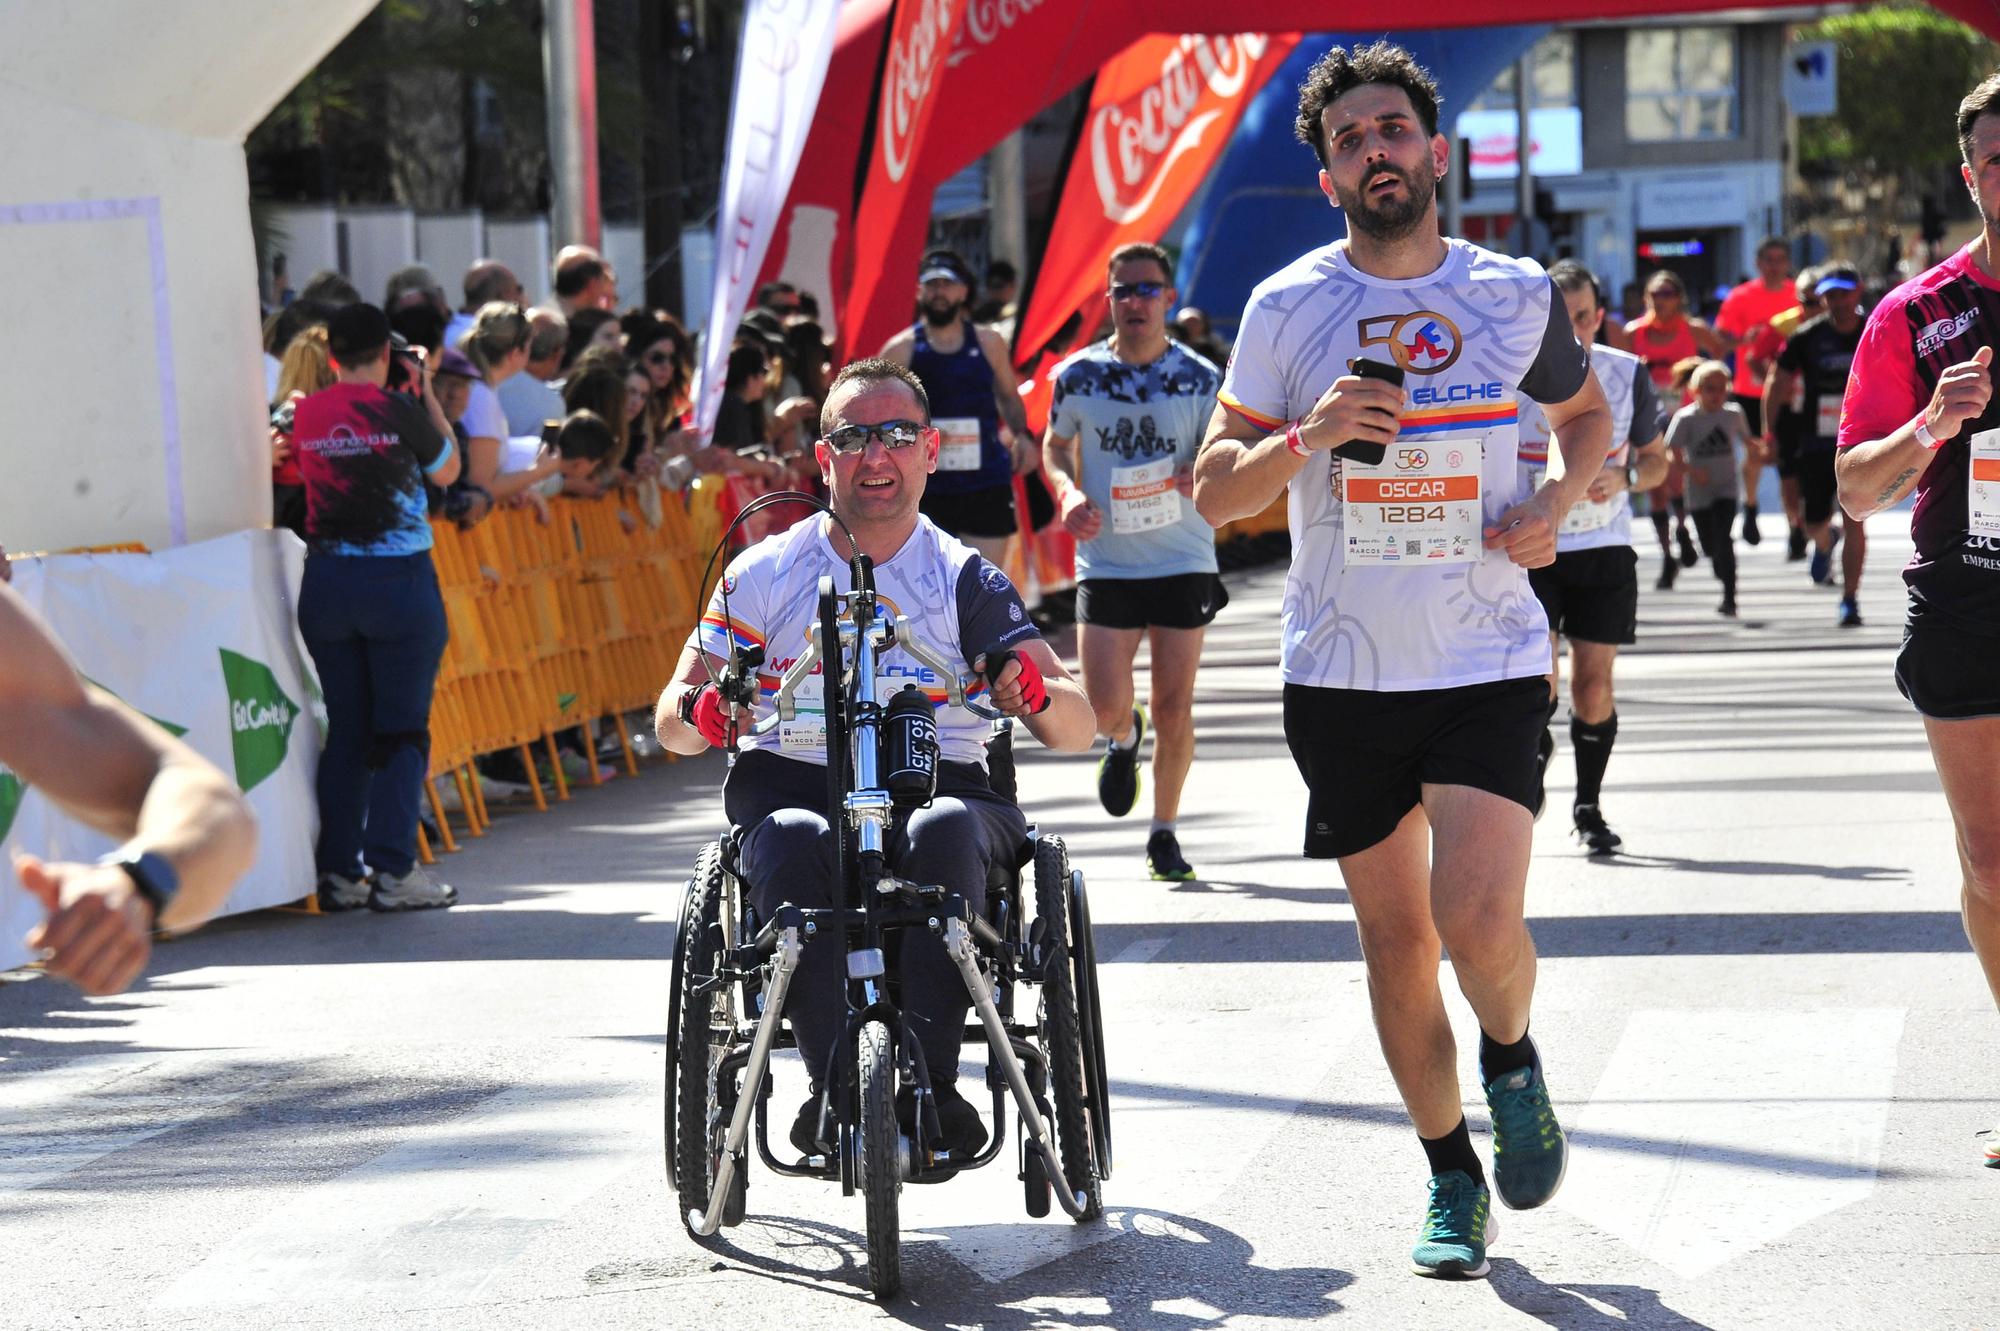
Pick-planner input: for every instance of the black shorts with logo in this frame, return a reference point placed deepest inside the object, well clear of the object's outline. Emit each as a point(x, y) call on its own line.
point(988, 512)
point(1366, 754)
point(1948, 673)
point(1178, 601)
point(1592, 595)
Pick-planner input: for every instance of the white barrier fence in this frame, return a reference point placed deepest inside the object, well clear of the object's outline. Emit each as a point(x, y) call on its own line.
point(203, 639)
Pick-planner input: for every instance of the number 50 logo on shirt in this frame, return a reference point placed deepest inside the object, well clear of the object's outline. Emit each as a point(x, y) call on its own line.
point(1422, 343)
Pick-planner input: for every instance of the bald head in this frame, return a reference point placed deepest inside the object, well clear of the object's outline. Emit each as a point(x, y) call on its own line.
point(490, 280)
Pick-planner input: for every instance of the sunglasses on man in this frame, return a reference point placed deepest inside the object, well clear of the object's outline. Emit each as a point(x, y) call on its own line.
point(1143, 290)
point(850, 439)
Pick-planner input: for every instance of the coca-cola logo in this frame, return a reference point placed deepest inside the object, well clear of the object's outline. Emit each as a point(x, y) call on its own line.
point(1134, 144)
point(912, 73)
point(986, 21)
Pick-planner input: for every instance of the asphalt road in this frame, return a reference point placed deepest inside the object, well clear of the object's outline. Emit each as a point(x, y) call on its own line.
point(1762, 1025)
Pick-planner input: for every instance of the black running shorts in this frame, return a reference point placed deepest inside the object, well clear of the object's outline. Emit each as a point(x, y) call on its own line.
point(1818, 486)
point(1948, 673)
point(1753, 411)
point(988, 512)
point(1179, 601)
point(1366, 755)
point(1592, 595)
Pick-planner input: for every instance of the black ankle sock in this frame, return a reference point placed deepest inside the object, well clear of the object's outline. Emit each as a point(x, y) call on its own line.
point(1593, 754)
point(1454, 1151)
point(1496, 1060)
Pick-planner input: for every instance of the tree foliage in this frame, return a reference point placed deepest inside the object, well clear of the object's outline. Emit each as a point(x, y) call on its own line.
point(1902, 69)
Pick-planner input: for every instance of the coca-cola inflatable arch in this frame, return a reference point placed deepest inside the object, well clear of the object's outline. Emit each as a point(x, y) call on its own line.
point(1007, 60)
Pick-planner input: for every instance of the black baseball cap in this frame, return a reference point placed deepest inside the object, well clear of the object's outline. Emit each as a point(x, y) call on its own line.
point(356, 333)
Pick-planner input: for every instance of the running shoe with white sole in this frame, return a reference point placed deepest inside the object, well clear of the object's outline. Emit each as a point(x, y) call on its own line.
point(1530, 1152)
point(1992, 1137)
point(1118, 770)
point(1164, 859)
point(1588, 822)
point(339, 893)
point(415, 890)
point(1458, 1225)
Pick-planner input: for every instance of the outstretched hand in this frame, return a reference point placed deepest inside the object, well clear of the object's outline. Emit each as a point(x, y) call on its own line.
point(98, 934)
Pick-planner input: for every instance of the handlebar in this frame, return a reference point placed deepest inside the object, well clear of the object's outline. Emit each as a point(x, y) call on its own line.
point(895, 633)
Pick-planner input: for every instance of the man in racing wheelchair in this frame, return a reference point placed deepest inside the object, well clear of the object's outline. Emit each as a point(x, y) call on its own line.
point(876, 448)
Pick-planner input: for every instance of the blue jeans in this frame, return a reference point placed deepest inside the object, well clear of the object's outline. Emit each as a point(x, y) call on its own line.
point(376, 629)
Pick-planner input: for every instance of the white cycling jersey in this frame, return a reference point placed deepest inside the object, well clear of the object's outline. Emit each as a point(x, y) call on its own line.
point(1635, 420)
point(1390, 587)
point(955, 601)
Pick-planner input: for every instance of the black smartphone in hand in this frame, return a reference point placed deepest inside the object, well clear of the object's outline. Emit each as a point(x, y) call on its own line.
point(1367, 451)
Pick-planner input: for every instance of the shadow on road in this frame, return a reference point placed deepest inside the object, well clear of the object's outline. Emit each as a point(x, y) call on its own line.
point(1575, 1307)
point(1158, 1272)
point(1851, 873)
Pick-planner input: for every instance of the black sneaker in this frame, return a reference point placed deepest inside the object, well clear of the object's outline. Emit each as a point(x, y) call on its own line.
point(1668, 572)
point(1795, 545)
point(1728, 608)
point(1592, 832)
point(960, 1129)
point(1751, 535)
point(1689, 556)
point(806, 1126)
point(1118, 770)
point(1164, 859)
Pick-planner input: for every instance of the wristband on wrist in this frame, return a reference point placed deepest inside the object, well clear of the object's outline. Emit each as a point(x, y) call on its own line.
point(1293, 442)
point(1925, 437)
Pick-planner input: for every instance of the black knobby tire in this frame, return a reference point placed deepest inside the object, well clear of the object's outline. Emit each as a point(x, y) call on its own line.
point(1083, 965)
point(707, 1031)
point(697, 884)
point(1062, 1028)
point(878, 1142)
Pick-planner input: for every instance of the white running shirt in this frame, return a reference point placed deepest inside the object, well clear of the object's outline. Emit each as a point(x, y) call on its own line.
point(1468, 335)
point(1635, 421)
point(956, 602)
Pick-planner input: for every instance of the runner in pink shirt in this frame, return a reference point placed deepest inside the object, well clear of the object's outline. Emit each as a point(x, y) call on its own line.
point(1920, 415)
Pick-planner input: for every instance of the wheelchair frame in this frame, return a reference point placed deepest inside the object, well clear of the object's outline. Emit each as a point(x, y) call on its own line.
point(731, 974)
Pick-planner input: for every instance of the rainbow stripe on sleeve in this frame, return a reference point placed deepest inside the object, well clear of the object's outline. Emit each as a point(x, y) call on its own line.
point(743, 638)
point(1257, 418)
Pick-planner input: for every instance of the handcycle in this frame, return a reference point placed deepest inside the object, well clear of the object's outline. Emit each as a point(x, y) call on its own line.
point(732, 970)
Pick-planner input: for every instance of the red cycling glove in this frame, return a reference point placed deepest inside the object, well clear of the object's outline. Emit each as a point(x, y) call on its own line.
point(1034, 689)
point(711, 717)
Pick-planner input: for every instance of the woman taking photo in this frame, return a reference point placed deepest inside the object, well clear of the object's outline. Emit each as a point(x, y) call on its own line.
point(370, 611)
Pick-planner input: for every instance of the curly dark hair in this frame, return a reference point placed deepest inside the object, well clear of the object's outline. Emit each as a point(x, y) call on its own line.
point(1339, 72)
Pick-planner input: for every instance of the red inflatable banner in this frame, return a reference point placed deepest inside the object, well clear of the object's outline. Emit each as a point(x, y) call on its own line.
point(1160, 114)
point(913, 75)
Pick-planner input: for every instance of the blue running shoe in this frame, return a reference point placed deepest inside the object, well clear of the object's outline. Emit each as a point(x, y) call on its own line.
point(1530, 1152)
point(1458, 1225)
point(1821, 567)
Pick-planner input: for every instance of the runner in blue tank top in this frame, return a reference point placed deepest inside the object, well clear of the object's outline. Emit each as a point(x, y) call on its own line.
point(965, 370)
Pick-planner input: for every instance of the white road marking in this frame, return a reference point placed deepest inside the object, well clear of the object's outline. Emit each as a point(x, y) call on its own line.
point(1714, 1133)
point(1144, 949)
point(448, 1210)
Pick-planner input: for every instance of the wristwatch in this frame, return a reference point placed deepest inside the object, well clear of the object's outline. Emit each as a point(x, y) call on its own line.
point(1631, 476)
point(150, 872)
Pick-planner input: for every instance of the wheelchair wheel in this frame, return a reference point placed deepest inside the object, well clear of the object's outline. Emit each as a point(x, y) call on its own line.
point(880, 1147)
point(705, 878)
point(1062, 1027)
point(704, 1036)
point(1083, 965)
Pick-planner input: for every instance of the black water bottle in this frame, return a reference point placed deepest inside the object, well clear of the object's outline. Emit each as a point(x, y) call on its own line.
point(910, 748)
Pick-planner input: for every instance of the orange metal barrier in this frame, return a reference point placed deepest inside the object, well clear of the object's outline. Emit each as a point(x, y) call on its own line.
point(558, 624)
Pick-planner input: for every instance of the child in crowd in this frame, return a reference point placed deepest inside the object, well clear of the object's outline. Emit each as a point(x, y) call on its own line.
point(1708, 437)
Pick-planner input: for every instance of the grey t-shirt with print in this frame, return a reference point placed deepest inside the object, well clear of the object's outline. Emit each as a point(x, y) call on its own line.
point(1711, 440)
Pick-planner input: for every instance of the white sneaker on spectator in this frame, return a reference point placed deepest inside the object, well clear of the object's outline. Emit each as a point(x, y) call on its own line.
point(577, 768)
point(493, 789)
point(338, 893)
point(415, 890)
